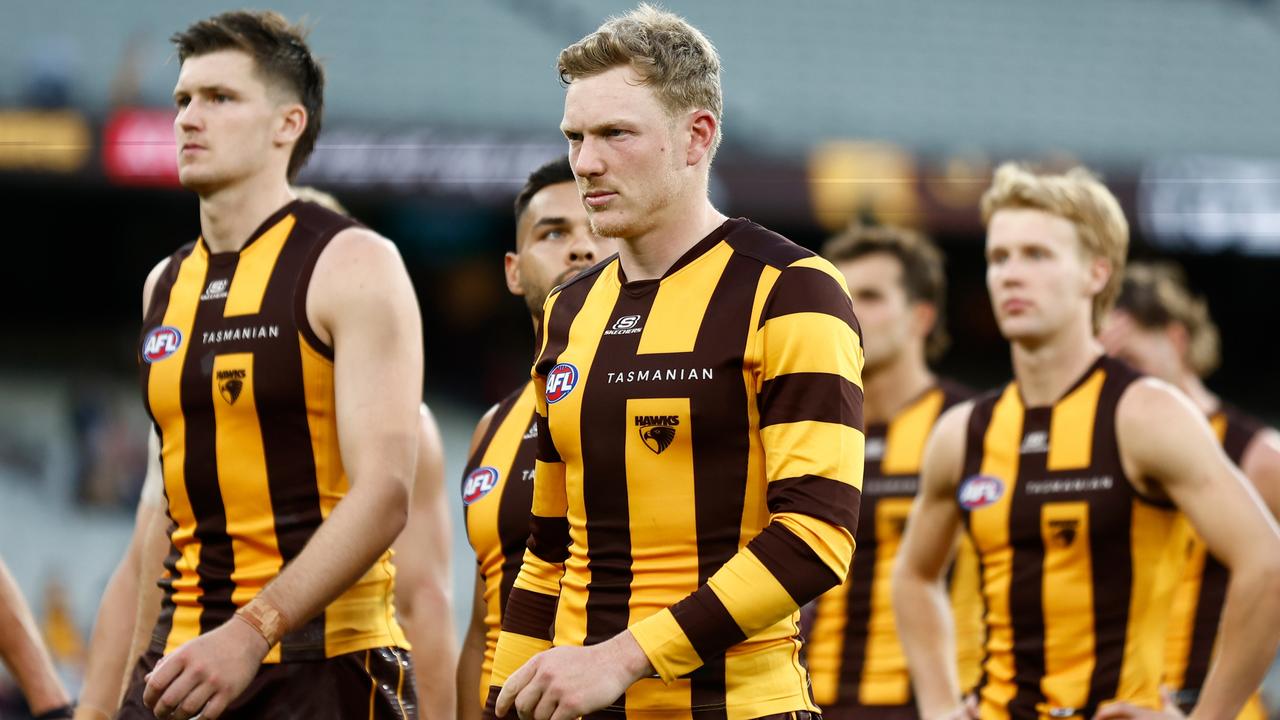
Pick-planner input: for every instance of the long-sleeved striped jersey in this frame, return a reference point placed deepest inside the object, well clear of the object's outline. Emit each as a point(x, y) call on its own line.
point(699, 472)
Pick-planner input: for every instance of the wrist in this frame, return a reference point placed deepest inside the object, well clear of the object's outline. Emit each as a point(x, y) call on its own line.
point(632, 658)
point(265, 618)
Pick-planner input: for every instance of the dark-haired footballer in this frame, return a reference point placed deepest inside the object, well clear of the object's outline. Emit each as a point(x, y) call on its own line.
point(554, 242)
point(281, 362)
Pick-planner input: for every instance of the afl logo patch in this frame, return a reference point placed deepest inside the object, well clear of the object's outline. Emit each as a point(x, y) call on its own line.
point(979, 491)
point(161, 343)
point(478, 484)
point(561, 381)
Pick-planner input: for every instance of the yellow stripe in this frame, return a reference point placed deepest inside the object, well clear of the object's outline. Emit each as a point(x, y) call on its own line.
point(826, 641)
point(1219, 424)
point(253, 270)
point(790, 353)
point(666, 645)
point(164, 396)
point(755, 511)
point(673, 321)
point(761, 679)
point(1182, 615)
point(1067, 599)
point(1154, 577)
point(650, 697)
point(828, 450)
point(885, 680)
point(663, 520)
point(906, 435)
point(745, 578)
point(816, 262)
point(242, 480)
point(1071, 428)
point(565, 418)
point(833, 545)
point(990, 531)
point(514, 650)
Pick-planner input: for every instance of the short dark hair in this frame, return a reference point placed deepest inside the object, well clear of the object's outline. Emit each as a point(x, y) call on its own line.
point(1156, 295)
point(280, 52)
point(923, 274)
point(553, 173)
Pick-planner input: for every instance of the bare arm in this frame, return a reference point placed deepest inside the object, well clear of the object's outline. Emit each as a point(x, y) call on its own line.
point(920, 599)
point(24, 653)
point(1185, 461)
point(423, 592)
point(471, 661)
point(110, 650)
point(1261, 464)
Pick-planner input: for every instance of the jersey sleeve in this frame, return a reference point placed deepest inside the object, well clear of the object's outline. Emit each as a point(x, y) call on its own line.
point(809, 398)
point(531, 607)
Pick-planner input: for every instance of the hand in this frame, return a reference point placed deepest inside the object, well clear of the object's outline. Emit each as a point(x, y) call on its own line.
point(205, 675)
point(550, 686)
point(1125, 711)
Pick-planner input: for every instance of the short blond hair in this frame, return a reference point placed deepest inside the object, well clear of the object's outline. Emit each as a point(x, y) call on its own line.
point(1156, 295)
point(673, 57)
point(1078, 197)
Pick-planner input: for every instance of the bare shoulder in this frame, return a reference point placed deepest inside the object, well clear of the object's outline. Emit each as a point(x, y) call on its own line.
point(149, 285)
point(430, 443)
point(357, 254)
point(359, 276)
point(944, 451)
point(1147, 403)
point(1261, 459)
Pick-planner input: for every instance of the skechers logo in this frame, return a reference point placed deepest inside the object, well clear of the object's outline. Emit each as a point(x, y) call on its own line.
point(161, 343)
point(625, 325)
point(230, 384)
point(216, 291)
point(1034, 443)
point(657, 432)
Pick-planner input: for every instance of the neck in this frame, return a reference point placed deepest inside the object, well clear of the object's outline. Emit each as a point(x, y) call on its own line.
point(890, 388)
point(649, 255)
point(228, 215)
point(1189, 383)
point(1046, 370)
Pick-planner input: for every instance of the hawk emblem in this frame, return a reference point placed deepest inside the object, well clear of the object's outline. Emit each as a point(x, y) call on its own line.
point(658, 437)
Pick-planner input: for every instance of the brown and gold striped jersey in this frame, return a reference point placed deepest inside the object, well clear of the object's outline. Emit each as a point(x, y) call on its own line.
point(240, 389)
point(1202, 586)
point(1076, 569)
point(853, 651)
point(698, 473)
point(497, 492)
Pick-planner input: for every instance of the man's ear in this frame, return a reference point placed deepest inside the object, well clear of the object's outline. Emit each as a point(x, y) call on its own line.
point(511, 268)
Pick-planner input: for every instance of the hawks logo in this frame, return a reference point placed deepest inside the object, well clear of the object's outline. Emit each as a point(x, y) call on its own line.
point(561, 381)
point(161, 343)
point(230, 384)
point(1063, 532)
point(979, 491)
point(657, 432)
point(478, 484)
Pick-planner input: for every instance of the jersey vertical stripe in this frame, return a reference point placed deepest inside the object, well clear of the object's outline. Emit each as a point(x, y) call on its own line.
point(243, 403)
point(668, 405)
point(497, 491)
point(1076, 573)
point(853, 651)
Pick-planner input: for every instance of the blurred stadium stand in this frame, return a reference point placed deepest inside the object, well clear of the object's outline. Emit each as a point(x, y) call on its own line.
point(436, 111)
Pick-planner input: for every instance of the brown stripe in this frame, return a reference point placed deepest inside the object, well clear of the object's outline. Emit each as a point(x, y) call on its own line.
point(282, 416)
point(975, 434)
point(547, 451)
point(323, 224)
point(569, 300)
point(793, 563)
point(514, 519)
point(491, 702)
point(604, 496)
point(1112, 566)
point(1026, 588)
point(549, 538)
point(1204, 630)
point(819, 397)
point(831, 501)
point(764, 245)
point(1241, 429)
point(721, 447)
point(530, 614)
point(862, 572)
point(808, 290)
point(200, 466)
point(707, 623)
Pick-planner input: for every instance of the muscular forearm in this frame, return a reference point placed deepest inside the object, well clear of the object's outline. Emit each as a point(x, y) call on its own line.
point(113, 631)
point(429, 628)
point(23, 653)
point(1250, 635)
point(356, 533)
point(925, 628)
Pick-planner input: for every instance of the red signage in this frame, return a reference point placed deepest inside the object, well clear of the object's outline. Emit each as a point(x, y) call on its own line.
point(138, 148)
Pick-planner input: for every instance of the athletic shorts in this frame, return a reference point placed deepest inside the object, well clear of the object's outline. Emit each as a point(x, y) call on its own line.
point(375, 684)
